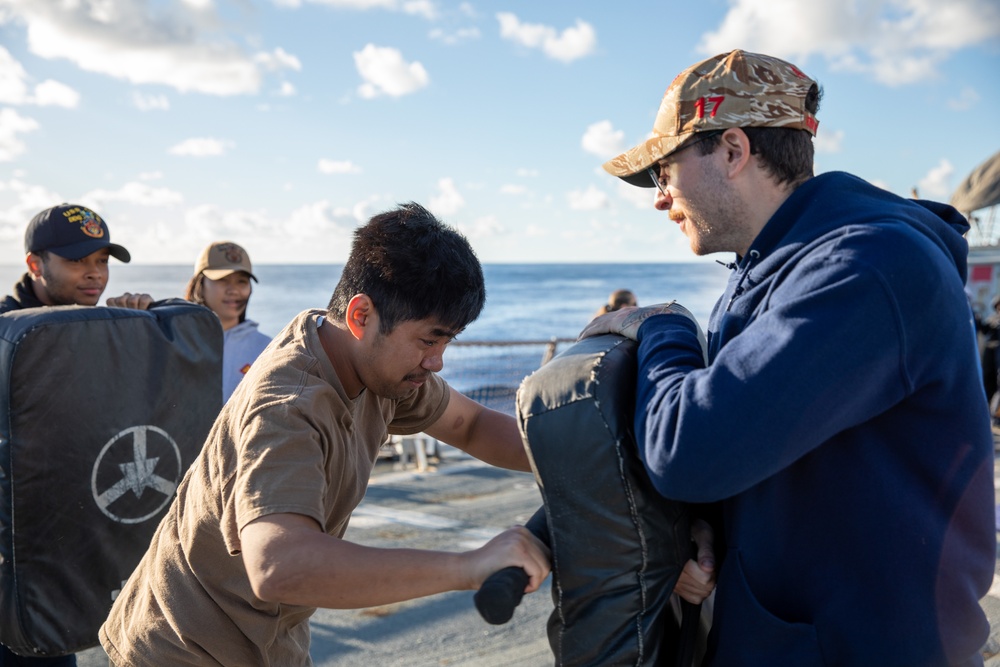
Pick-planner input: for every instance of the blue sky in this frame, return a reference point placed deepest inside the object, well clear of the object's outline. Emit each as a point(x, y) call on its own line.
point(283, 124)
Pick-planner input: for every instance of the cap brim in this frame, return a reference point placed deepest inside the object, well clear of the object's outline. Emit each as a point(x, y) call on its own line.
point(219, 274)
point(81, 250)
point(632, 165)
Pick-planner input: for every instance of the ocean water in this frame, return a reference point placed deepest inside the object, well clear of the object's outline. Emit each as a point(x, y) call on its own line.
point(523, 301)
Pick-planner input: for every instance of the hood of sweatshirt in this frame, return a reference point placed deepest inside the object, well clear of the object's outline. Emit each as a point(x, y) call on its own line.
point(817, 214)
point(831, 202)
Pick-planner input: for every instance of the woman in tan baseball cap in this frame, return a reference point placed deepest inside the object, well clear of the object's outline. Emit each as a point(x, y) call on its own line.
point(221, 281)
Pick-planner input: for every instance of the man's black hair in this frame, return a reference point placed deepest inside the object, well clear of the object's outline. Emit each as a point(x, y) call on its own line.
point(412, 266)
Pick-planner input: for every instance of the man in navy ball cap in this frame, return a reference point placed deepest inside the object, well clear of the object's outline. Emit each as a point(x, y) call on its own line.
point(68, 248)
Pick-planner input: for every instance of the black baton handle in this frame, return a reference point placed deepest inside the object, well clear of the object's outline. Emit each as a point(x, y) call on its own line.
point(690, 621)
point(500, 594)
point(502, 591)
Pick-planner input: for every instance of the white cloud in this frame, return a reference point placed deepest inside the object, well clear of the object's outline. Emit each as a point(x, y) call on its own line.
point(423, 8)
point(641, 198)
point(211, 222)
point(828, 141)
point(449, 201)
point(527, 173)
point(338, 167)
point(319, 218)
point(386, 73)
point(362, 210)
point(150, 102)
point(14, 86)
point(278, 60)
point(140, 194)
point(567, 46)
point(590, 199)
point(603, 140)
point(535, 231)
point(27, 200)
point(967, 98)
point(201, 147)
point(286, 90)
point(893, 41)
point(573, 43)
point(483, 227)
point(138, 43)
point(515, 190)
point(937, 183)
point(456, 37)
point(51, 93)
point(345, 4)
point(12, 125)
point(150, 175)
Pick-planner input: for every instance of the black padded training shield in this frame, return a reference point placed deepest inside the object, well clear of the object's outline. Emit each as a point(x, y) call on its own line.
point(617, 545)
point(102, 410)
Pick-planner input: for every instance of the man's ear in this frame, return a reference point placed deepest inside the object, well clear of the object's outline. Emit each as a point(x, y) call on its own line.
point(361, 318)
point(34, 263)
point(735, 146)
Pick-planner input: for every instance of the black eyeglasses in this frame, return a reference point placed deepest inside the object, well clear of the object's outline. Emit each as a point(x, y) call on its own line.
point(654, 169)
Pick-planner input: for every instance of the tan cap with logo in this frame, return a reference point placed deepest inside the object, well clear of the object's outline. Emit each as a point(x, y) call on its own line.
point(735, 89)
point(222, 258)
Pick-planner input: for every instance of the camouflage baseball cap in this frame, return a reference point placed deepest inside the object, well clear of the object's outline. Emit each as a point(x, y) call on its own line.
point(735, 89)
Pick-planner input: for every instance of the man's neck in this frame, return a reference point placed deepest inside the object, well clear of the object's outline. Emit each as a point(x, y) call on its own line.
point(39, 293)
point(338, 343)
point(764, 201)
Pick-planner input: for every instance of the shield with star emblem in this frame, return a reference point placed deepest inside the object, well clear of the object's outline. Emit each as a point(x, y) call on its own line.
point(101, 412)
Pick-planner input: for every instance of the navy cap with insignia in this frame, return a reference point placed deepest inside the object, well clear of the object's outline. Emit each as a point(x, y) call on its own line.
point(72, 232)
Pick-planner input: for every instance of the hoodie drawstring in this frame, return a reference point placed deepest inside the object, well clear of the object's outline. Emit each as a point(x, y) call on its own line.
point(752, 257)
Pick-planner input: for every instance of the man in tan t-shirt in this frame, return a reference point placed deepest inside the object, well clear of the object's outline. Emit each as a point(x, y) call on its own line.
point(252, 544)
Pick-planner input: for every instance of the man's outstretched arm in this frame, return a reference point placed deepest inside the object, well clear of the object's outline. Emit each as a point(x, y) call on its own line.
point(289, 560)
point(488, 435)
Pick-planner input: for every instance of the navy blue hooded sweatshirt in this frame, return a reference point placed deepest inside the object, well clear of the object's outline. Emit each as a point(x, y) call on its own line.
point(842, 424)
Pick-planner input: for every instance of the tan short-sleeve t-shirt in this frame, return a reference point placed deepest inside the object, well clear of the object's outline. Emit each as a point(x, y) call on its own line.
point(289, 440)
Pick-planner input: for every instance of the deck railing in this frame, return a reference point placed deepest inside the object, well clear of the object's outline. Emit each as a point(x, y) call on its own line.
point(486, 371)
point(491, 371)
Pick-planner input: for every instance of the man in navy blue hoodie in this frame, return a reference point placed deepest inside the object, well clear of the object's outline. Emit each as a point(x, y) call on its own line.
point(836, 416)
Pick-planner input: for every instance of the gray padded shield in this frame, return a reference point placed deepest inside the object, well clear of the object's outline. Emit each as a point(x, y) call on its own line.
point(102, 410)
point(617, 545)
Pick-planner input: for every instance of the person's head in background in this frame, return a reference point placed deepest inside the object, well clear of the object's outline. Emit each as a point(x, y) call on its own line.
point(68, 248)
point(221, 281)
point(412, 267)
point(618, 299)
